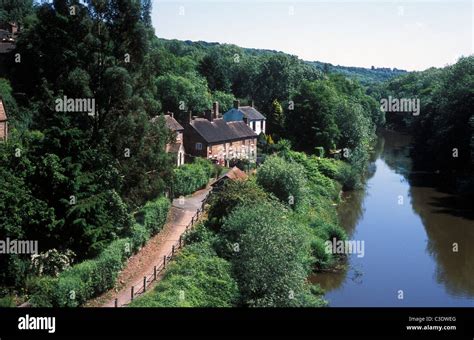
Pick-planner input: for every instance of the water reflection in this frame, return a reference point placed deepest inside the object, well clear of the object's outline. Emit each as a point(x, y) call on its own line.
point(408, 246)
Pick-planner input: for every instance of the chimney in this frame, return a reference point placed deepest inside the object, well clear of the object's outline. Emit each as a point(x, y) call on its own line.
point(190, 116)
point(252, 104)
point(209, 115)
point(215, 109)
point(236, 104)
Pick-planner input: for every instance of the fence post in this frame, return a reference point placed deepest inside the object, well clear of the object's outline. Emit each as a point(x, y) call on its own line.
point(144, 284)
point(164, 261)
point(154, 273)
point(172, 251)
point(180, 241)
point(116, 302)
point(131, 294)
point(192, 220)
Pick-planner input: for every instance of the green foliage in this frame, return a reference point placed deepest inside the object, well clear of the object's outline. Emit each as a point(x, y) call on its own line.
point(83, 281)
point(233, 194)
point(139, 235)
point(197, 278)
point(269, 255)
point(154, 214)
point(286, 180)
point(190, 177)
point(445, 121)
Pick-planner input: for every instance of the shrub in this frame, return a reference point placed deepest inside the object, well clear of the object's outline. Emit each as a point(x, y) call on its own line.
point(286, 180)
point(233, 193)
point(7, 301)
point(139, 236)
point(198, 278)
point(154, 214)
point(190, 177)
point(271, 258)
point(79, 283)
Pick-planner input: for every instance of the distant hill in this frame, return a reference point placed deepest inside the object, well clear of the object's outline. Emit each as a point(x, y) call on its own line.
point(365, 75)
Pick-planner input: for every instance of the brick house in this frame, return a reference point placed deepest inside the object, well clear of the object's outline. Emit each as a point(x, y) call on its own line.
point(176, 148)
point(3, 122)
point(218, 140)
point(249, 114)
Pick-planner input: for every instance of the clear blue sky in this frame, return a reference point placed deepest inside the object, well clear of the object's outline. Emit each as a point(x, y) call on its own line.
point(411, 35)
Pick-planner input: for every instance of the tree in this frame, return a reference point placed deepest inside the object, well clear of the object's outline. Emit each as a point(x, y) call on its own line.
point(286, 180)
point(269, 255)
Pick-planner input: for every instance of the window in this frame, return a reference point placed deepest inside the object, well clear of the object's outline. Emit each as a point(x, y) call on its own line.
point(253, 126)
point(198, 146)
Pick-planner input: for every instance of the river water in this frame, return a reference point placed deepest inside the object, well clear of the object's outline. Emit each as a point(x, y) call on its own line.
point(411, 230)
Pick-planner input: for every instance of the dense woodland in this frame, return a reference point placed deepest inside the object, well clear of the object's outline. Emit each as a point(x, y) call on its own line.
point(444, 129)
point(86, 186)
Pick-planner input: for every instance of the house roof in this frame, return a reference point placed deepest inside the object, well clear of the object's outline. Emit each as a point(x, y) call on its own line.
point(248, 112)
point(3, 113)
point(170, 123)
point(219, 130)
point(234, 174)
point(251, 113)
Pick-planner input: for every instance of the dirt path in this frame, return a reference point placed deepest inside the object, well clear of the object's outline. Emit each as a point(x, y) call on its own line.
point(142, 263)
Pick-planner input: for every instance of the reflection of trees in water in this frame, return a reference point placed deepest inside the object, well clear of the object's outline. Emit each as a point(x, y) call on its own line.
point(329, 280)
point(446, 219)
point(454, 270)
point(396, 152)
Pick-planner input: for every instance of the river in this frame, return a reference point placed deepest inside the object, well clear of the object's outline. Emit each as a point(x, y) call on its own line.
point(411, 228)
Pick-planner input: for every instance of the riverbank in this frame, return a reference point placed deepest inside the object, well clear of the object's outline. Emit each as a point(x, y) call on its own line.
point(262, 239)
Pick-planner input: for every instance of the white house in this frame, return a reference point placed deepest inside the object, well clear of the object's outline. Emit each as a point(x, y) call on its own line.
point(254, 119)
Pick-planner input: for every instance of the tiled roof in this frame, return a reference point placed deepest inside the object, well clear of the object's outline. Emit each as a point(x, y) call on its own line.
point(170, 123)
point(3, 114)
point(249, 112)
point(220, 131)
point(234, 174)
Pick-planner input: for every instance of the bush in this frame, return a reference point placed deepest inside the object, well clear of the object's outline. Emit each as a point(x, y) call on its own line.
point(198, 278)
point(190, 177)
point(81, 282)
point(139, 236)
point(286, 180)
point(271, 262)
point(233, 193)
point(7, 301)
point(154, 214)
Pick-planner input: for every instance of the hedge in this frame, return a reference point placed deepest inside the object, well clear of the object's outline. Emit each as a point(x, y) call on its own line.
point(85, 280)
point(191, 177)
point(153, 215)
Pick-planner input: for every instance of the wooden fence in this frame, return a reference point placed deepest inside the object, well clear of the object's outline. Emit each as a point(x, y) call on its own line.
point(149, 279)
